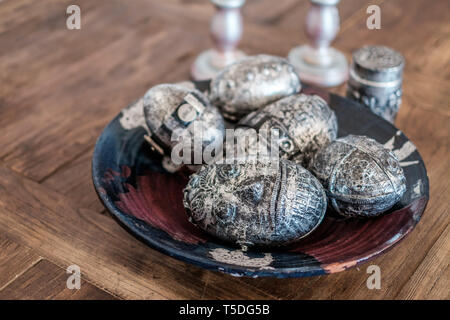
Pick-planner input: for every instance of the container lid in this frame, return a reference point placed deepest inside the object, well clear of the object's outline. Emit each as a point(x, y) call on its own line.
point(377, 63)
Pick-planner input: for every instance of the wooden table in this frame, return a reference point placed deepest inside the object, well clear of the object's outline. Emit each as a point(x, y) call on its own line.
point(60, 87)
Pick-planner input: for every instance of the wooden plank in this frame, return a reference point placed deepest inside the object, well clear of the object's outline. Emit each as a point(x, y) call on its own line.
point(14, 260)
point(15, 13)
point(74, 181)
point(265, 12)
point(108, 256)
point(48, 119)
point(260, 12)
point(45, 281)
point(426, 92)
point(45, 59)
point(196, 9)
point(419, 30)
point(36, 93)
point(293, 19)
point(431, 280)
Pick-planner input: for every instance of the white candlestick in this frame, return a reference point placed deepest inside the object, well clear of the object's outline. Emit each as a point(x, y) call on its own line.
point(226, 31)
point(318, 63)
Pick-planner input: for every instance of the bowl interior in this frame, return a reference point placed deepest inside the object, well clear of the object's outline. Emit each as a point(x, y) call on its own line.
point(147, 201)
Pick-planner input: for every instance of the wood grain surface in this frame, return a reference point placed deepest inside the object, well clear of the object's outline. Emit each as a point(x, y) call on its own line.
point(60, 87)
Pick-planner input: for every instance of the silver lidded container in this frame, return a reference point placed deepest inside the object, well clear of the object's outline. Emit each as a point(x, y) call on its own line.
point(376, 80)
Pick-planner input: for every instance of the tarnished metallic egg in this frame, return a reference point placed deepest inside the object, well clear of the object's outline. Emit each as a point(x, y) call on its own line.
point(177, 116)
point(252, 83)
point(255, 203)
point(361, 176)
point(305, 124)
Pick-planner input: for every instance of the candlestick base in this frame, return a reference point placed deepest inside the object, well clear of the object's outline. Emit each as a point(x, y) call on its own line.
point(210, 62)
point(329, 70)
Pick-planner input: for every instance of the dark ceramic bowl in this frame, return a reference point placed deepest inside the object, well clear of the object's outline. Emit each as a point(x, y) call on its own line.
point(147, 201)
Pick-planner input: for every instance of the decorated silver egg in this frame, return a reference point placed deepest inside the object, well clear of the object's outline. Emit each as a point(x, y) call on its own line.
point(252, 83)
point(305, 124)
point(255, 203)
point(182, 118)
point(361, 176)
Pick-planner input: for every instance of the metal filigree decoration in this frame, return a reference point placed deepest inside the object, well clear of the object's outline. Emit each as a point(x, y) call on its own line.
point(376, 80)
point(361, 176)
point(386, 107)
point(305, 124)
point(378, 58)
point(252, 83)
point(170, 109)
point(255, 203)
